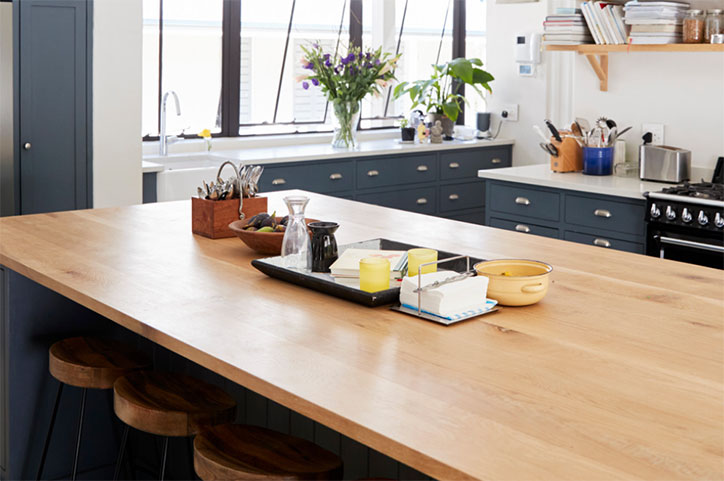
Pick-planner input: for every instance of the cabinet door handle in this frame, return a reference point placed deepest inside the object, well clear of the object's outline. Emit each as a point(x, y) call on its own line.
point(453, 165)
point(522, 228)
point(602, 213)
point(27, 146)
point(373, 173)
point(601, 242)
point(335, 176)
point(496, 160)
point(279, 181)
point(422, 168)
point(421, 201)
point(522, 201)
point(453, 197)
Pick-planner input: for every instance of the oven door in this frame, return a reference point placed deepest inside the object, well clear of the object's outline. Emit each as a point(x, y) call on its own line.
point(680, 244)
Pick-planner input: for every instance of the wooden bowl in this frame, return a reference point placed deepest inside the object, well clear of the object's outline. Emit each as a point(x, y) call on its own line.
point(269, 243)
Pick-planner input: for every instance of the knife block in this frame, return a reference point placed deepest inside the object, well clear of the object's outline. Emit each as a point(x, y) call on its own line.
point(570, 155)
point(211, 218)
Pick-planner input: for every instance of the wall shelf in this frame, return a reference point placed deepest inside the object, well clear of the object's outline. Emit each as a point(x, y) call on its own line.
point(597, 55)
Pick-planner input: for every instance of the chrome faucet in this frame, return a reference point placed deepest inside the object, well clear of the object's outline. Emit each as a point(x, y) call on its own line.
point(165, 140)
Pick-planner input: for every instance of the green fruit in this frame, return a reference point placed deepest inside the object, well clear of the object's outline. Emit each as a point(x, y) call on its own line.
point(266, 229)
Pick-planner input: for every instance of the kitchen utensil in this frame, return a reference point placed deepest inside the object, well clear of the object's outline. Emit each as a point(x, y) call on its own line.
point(549, 149)
point(620, 134)
point(583, 124)
point(662, 163)
point(324, 245)
point(540, 133)
point(609, 123)
point(515, 282)
point(553, 130)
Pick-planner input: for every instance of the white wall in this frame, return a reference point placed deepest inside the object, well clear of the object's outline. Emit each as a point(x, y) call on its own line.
point(684, 91)
point(117, 41)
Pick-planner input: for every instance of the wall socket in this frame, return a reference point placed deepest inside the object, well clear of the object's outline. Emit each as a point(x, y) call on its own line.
point(657, 130)
point(508, 112)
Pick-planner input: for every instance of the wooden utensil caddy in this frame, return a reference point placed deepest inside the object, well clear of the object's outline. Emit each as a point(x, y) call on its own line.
point(570, 155)
point(211, 218)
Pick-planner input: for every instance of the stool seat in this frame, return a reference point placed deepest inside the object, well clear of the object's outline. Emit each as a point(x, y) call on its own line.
point(89, 362)
point(170, 404)
point(242, 452)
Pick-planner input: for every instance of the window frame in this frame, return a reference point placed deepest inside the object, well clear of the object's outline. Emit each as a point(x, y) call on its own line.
point(231, 66)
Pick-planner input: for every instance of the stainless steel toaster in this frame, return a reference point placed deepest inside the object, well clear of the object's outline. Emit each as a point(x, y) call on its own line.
point(662, 163)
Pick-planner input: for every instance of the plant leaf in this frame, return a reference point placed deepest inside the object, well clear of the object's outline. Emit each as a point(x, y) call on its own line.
point(480, 76)
point(463, 70)
point(451, 110)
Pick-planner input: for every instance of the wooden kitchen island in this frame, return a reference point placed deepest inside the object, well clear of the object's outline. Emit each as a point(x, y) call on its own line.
point(618, 373)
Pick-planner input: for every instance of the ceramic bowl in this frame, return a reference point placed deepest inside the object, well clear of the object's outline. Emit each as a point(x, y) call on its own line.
point(515, 282)
point(268, 243)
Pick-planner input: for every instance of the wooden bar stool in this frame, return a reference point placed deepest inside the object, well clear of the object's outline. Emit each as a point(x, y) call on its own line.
point(87, 363)
point(242, 452)
point(168, 405)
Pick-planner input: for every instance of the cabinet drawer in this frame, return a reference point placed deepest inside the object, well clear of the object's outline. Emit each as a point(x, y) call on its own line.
point(322, 178)
point(415, 200)
point(518, 200)
point(461, 164)
point(524, 227)
point(605, 214)
point(471, 217)
point(387, 171)
point(462, 196)
point(604, 240)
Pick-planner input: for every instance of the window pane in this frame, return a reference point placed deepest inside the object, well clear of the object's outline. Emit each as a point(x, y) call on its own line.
point(475, 46)
point(426, 39)
point(263, 37)
point(149, 119)
point(192, 63)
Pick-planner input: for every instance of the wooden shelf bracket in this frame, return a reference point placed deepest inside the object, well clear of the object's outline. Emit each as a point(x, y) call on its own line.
point(599, 63)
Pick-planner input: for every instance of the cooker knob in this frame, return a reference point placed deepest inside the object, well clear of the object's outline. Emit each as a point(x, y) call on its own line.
point(686, 215)
point(719, 220)
point(670, 213)
point(703, 219)
point(655, 212)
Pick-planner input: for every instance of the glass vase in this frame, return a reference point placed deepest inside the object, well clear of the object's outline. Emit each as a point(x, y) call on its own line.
point(345, 120)
point(296, 251)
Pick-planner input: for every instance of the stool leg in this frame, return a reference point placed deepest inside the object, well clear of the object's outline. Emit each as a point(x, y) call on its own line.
point(163, 458)
point(50, 431)
point(121, 452)
point(80, 433)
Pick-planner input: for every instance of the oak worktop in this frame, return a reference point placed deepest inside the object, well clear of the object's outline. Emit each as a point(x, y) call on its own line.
point(618, 373)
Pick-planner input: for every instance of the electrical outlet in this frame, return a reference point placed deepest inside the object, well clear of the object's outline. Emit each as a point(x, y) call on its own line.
point(509, 112)
point(657, 130)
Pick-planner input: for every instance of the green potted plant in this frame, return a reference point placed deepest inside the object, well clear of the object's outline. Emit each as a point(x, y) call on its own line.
point(440, 94)
point(408, 133)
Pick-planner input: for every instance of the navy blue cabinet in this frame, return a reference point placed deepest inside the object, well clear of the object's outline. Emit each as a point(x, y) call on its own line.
point(599, 220)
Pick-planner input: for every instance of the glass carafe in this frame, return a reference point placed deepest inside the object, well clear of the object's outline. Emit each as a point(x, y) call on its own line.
point(296, 249)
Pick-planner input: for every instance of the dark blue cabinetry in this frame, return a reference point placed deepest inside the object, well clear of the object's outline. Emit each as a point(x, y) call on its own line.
point(600, 220)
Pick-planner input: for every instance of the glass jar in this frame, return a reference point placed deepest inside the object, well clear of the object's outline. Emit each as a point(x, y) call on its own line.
point(714, 24)
point(694, 26)
point(296, 251)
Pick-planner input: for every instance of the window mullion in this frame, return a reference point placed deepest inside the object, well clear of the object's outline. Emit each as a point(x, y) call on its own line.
point(355, 23)
point(458, 45)
point(230, 68)
point(397, 51)
point(160, 62)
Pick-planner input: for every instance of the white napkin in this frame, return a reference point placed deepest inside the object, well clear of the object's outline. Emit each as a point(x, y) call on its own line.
point(448, 299)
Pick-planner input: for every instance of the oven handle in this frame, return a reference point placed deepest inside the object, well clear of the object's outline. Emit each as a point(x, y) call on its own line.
point(687, 243)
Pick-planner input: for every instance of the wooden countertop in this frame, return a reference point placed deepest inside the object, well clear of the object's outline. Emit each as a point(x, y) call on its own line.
point(618, 373)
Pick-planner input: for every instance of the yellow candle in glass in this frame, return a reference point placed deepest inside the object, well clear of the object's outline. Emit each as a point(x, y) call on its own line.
point(416, 257)
point(374, 274)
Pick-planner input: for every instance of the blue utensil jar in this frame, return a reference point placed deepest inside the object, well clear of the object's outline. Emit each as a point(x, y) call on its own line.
point(598, 160)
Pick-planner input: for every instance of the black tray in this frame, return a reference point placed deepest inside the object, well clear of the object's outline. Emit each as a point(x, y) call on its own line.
point(272, 266)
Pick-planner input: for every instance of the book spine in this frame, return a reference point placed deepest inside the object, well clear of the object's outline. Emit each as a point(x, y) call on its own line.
point(585, 6)
point(598, 14)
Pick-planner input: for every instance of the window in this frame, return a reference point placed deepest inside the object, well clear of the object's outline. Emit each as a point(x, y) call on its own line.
point(234, 63)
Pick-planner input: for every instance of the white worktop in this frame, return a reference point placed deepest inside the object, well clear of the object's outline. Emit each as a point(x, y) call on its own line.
point(271, 154)
point(542, 175)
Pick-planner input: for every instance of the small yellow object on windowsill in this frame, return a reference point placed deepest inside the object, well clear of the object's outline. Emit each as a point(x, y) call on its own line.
point(206, 135)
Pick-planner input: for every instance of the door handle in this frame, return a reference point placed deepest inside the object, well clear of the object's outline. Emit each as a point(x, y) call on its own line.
point(422, 168)
point(496, 161)
point(522, 201)
point(601, 242)
point(453, 165)
point(373, 173)
point(522, 228)
point(602, 213)
point(335, 176)
point(27, 146)
point(279, 181)
point(421, 201)
point(453, 197)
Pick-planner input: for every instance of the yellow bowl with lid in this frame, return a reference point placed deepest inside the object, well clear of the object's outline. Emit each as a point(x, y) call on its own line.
point(515, 282)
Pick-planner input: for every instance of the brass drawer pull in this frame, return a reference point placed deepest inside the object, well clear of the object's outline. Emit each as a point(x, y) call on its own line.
point(602, 213)
point(522, 228)
point(421, 201)
point(497, 161)
point(522, 201)
point(453, 197)
point(373, 173)
point(279, 182)
point(422, 168)
point(335, 176)
point(454, 165)
point(601, 242)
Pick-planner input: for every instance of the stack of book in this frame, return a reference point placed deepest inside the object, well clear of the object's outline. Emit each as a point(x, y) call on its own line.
point(606, 22)
point(566, 27)
point(655, 22)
